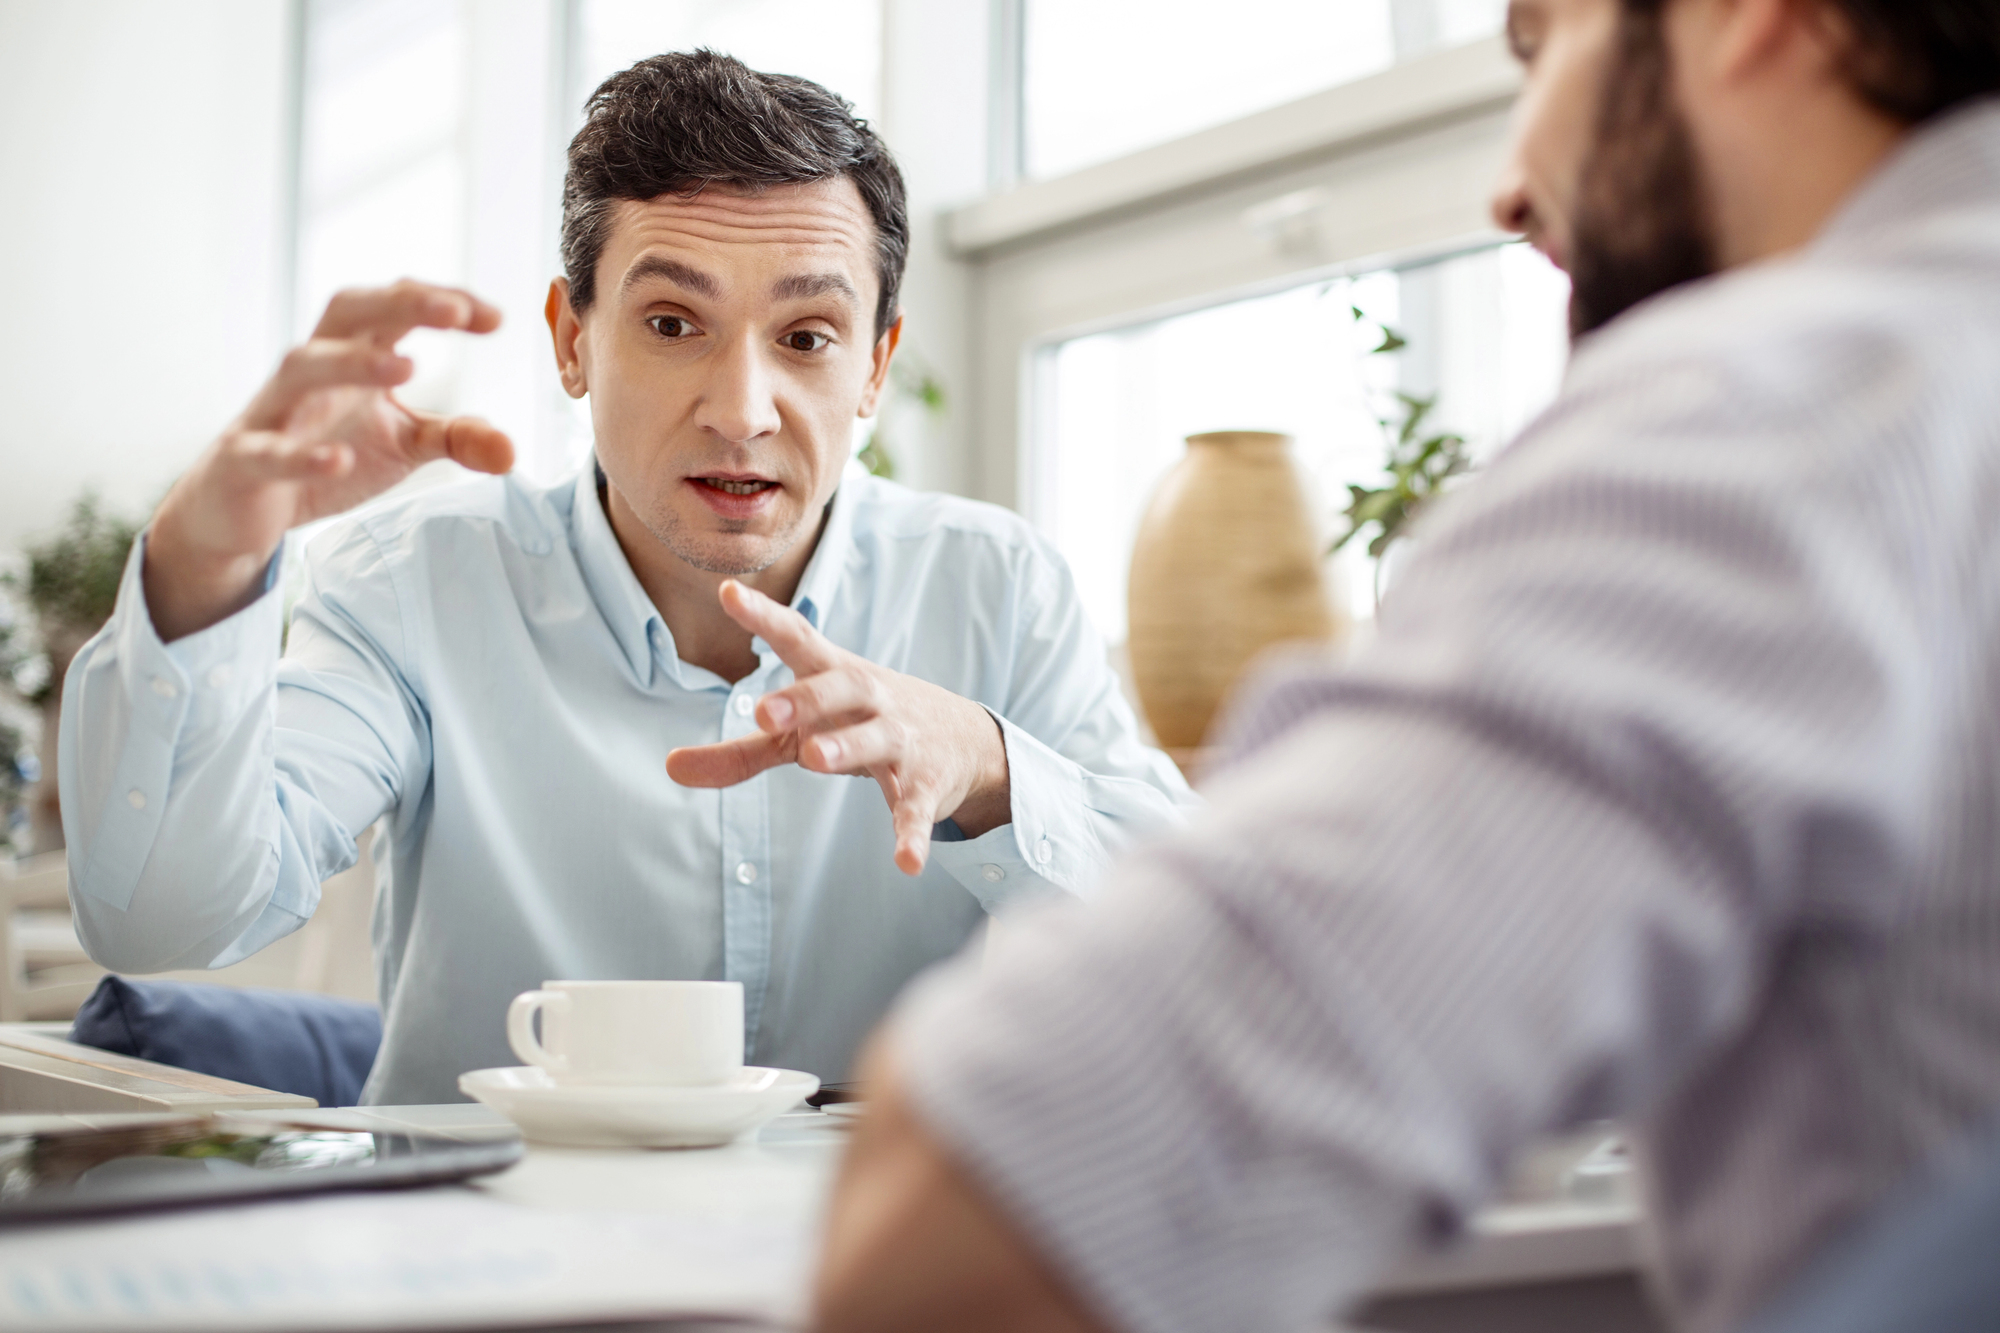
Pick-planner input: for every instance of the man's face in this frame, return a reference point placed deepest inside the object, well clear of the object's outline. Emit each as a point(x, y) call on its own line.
point(728, 351)
point(1601, 175)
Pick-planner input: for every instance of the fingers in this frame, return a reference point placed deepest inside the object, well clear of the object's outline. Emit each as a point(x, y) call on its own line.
point(816, 702)
point(913, 810)
point(914, 817)
point(797, 644)
point(469, 441)
point(384, 314)
point(731, 762)
point(863, 746)
point(324, 363)
point(268, 455)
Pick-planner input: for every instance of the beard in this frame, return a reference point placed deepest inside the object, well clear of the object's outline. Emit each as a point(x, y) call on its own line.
point(729, 552)
point(1642, 223)
point(725, 552)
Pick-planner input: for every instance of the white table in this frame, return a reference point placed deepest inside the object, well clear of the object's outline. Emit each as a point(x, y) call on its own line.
point(579, 1235)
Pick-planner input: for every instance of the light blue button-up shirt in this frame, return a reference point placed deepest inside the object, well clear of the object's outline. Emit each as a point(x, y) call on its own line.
point(479, 665)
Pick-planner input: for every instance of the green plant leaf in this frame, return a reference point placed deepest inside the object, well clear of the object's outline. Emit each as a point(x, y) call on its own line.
point(73, 577)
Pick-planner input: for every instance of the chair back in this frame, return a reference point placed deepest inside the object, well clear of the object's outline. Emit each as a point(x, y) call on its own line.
point(44, 973)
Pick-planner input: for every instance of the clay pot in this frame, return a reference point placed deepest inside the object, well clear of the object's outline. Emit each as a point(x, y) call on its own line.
point(1226, 564)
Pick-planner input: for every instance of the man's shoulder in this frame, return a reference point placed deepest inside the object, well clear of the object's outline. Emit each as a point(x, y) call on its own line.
point(888, 515)
point(452, 517)
point(1808, 332)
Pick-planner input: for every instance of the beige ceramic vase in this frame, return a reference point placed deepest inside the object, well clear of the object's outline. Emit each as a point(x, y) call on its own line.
point(1226, 564)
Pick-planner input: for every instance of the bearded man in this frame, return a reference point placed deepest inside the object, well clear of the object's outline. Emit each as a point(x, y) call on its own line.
point(1670, 789)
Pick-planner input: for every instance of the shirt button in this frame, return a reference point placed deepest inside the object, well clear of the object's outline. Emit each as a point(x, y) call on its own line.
point(218, 677)
point(164, 687)
point(743, 703)
point(136, 799)
point(1043, 851)
point(994, 874)
point(746, 872)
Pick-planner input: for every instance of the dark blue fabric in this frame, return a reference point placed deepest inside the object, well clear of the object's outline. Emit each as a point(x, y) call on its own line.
point(1925, 1265)
point(289, 1041)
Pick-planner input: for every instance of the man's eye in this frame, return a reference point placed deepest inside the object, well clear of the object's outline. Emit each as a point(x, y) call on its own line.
point(806, 341)
point(670, 326)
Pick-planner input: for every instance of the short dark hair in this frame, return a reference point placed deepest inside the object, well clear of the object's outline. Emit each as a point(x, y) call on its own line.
point(1914, 59)
point(675, 123)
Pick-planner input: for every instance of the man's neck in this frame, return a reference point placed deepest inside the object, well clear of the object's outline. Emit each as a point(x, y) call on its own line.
point(1784, 146)
point(1783, 201)
point(686, 597)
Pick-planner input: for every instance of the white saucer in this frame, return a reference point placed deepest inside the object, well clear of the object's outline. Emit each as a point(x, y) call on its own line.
point(604, 1116)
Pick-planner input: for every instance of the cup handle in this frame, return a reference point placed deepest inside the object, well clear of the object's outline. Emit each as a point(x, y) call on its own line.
point(521, 1028)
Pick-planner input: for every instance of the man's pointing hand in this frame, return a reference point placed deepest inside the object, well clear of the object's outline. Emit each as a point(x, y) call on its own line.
point(934, 754)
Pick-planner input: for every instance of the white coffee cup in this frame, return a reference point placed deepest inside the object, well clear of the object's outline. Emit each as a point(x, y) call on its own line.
point(679, 1033)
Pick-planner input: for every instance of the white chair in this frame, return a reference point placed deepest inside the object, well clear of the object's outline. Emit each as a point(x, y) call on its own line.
point(44, 972)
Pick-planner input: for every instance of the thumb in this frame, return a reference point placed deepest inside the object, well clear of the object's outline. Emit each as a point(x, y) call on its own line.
point(469, 441)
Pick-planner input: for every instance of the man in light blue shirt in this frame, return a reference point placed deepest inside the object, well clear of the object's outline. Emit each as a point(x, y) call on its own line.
point(500, 669)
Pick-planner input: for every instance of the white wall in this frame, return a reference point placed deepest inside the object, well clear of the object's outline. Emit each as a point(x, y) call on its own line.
point(142, 169)
point(935, 64)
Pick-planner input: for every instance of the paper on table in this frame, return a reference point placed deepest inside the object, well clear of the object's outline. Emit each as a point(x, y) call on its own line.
point(439, 1258)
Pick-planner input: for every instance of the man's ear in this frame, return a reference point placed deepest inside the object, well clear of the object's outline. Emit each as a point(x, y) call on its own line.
point(565, 328)
point(885, 351)
point(1745, 36)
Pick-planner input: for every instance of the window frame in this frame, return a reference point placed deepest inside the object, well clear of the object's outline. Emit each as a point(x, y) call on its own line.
point(1388, 171)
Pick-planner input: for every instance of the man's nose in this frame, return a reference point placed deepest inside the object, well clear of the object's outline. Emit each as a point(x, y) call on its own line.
point(739, 401)
point(1511, 210)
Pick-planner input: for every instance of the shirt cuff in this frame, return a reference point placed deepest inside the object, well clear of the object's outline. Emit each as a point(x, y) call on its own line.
point(1046, 847)
point(167, 690)
point(218, 671)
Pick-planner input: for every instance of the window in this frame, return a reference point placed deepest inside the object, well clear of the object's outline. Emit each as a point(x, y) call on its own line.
point(382, 189)
point(1487, 334)
point(835, 43)
point(1101, 78)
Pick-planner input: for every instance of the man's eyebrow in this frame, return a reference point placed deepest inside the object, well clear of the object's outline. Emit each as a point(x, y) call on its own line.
point(681, 275)
point(805, 286)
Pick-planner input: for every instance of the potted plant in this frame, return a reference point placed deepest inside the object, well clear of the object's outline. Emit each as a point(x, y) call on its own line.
point(71, 585)
point(21, 669)
point(1420, 464)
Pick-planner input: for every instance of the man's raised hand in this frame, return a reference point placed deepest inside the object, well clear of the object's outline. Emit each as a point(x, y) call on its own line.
point(935, 755)
point(324, 434)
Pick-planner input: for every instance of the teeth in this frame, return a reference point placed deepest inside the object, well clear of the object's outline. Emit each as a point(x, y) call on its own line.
point(737, 487)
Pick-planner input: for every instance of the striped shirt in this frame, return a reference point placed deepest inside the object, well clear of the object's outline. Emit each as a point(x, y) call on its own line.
point(1669, 790)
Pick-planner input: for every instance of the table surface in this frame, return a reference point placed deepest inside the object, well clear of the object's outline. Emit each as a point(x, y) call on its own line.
point(722, 1231)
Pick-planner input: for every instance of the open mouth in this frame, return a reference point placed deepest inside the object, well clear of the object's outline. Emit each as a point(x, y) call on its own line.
point(732, 486)
point(738, 498)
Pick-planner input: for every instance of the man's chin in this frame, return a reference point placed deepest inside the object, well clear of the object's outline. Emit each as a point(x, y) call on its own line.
point(733, 555)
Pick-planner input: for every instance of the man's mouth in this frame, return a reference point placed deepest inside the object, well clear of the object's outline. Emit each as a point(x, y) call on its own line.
point(736, 497)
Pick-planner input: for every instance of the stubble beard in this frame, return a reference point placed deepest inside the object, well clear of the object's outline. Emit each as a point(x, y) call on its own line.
point(709, 551)
point(1642, 221)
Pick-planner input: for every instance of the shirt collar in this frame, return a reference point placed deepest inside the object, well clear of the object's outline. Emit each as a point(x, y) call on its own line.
point(630, 612)
point(627, 609)
point(828, 566)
